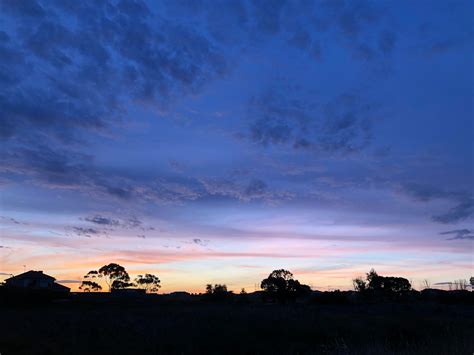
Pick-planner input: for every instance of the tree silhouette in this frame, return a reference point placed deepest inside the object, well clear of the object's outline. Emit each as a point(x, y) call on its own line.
point(359, 284)
point(460, 284)
point(92, 274)
point(216, 289)
point(381, 284)
point(218, 292)
point(88, 286)
point(426, 284)
point(149, 282)
point(374, 280)
point(115, 276)
point(281, 286)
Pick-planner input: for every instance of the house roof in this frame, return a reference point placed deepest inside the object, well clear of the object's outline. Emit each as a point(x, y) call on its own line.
point(31, 275)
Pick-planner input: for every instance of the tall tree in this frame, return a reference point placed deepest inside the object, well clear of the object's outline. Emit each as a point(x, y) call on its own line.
point(115, 276)
point(149, 282)
point(280, 285)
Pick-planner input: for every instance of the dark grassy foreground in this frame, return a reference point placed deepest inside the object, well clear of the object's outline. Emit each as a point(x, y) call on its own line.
point(198, 327)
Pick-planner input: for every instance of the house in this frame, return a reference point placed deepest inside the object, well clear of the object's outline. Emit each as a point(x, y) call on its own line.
point(35, 280)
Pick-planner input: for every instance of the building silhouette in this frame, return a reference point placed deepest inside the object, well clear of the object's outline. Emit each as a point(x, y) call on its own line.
point(35, 280)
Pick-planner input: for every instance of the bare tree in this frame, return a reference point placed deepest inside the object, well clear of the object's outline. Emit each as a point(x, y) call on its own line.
point(460, 284)
point(425, 284)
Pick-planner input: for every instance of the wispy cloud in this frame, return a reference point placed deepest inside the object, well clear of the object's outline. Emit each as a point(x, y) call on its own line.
point(464, 201)
point(460, 234)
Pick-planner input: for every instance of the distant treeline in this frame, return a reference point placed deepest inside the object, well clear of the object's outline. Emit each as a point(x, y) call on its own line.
point(279, 286)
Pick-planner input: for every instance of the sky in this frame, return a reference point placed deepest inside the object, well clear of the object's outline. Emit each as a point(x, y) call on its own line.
point(216, 141)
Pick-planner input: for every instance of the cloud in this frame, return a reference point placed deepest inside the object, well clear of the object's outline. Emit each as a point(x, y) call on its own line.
point(74, 74)
point(200, 242)
point(267, 15)
point(354, 16)
point(58, 168)
point(436, 42)
point(85, 232)
point(71, 71)
point(255, 189)
point(47, 166)
point(25, 8)
point(108, 224)
point(69, 281)
point(463, 200)
point(387, 40)
point(460, 234)
point(463, 210)
point(12, 220)
point(300, 24)
point(290, 116)
point(101, 220)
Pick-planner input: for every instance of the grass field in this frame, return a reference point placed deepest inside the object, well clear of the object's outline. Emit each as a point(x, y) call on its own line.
point(203, 328)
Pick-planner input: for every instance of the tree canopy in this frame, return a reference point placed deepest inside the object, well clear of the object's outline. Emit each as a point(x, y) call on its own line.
point(217, 292)
point(382, 284)
point(281, 286)
point(150, 283)
point(114, 275)
point(90, 286)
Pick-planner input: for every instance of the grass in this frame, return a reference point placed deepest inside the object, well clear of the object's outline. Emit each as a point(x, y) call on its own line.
point(203, 328)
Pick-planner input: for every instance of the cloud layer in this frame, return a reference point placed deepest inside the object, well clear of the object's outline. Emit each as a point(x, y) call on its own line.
point(219, 134)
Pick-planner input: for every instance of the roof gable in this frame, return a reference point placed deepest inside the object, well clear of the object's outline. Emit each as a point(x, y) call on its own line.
point(31, 275)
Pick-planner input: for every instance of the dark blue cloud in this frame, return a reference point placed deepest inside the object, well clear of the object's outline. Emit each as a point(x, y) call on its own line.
point(463, 201)
point(61, 78)
point(85, 232)
point(101, 220)
point(286, 115)
point(74, 66)
point(460, 234)
point(74, 72)
point(464, 209)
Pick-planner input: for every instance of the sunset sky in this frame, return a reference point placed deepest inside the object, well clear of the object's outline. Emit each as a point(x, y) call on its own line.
point(215, 141)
